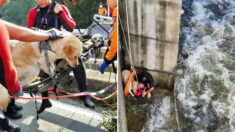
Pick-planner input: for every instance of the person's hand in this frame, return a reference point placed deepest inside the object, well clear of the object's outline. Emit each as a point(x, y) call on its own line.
point(105, 43)
point(149, 95)
point(54, 34)
point(19, 93)
point(103, 66)
point(134, 91)
point(143, 94)
point(57, 8)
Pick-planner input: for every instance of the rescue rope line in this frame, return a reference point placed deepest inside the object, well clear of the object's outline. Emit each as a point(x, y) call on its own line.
point(91, 94)
point(125, 39)
point(128, 34)
point(84, 12)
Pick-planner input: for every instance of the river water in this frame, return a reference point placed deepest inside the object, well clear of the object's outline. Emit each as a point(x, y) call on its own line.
point(205, 83)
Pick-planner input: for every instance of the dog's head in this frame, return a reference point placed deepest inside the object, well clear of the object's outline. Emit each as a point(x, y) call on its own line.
point(72, 49)
point(97, 38)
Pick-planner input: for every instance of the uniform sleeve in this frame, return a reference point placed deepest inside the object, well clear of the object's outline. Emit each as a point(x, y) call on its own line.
point(31, 17)
point(150, 80)
point(66, 19)
point(105, 11)
point(113, 47)
point(8, 74)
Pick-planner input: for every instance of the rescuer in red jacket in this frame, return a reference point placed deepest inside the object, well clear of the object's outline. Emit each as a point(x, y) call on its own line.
point(8, 74)
point(47, 15)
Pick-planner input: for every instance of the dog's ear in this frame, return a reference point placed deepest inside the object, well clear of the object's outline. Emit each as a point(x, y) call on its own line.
point(69, 51)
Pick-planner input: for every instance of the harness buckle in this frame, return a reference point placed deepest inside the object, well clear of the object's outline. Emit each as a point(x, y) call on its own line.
point(44, 21)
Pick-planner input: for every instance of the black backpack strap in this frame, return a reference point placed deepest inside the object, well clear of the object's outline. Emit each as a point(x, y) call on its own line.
point(52, 9)
point(37, 18)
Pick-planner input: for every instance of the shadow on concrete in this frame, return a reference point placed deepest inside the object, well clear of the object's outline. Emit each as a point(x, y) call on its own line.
point(55, 119)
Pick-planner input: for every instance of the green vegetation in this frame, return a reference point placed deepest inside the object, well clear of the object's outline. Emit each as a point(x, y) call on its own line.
point(132, 110)
point(17, 11)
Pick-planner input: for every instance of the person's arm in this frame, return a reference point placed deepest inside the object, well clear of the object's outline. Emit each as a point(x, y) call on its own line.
point(25, 34)
point(113, 47)
point(65, 17)
point(31, 17)
point(133, 87)
point(105, 11)
point(150, 90)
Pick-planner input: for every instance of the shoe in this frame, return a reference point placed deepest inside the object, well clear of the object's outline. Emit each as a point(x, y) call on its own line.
point(17, 107)
point(13, 128)
point(14, 115)
point(88, 103)
point(45, 104)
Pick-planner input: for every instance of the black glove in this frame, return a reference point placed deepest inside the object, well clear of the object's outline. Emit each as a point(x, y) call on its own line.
point(55, 34)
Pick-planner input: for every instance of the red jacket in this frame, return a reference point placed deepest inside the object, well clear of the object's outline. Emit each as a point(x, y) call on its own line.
point(65, 15)
point(8, 75)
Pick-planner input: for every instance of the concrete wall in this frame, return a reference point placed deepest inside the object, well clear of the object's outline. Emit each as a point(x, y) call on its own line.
point(154, 34)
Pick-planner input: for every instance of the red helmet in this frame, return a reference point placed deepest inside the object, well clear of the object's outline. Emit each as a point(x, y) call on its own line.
point(100, 3)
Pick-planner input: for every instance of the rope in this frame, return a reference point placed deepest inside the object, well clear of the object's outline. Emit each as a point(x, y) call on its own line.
point(128, 35)
point(91, 94)
point(125, 39)
point(84, 12)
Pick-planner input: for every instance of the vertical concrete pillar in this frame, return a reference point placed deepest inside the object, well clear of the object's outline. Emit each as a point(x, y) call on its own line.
point(122, 122)
point(154, 36)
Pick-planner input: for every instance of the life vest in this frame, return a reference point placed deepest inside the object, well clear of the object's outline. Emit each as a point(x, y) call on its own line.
point(49, 20)
point(126, 89)
point(102, 11)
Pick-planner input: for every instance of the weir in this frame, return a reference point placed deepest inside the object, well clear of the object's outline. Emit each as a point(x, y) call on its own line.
point(154, 27)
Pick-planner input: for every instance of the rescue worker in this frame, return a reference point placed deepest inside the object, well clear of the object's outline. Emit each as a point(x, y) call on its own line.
point(145, 82)
point(8, 74)
point(102, 11)
point(47, 15)
point(112, 53)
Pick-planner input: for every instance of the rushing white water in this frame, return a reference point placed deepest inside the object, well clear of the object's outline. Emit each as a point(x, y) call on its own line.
point(205, 81)
point(205, 84)
point(158, 116)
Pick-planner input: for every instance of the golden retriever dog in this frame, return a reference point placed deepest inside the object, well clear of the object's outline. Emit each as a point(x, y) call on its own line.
point(4, 98)
point(133, 85)
point(28, 60)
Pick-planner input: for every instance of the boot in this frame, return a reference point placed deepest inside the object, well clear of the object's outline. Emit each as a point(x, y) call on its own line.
point(88, 103)
point(15, 106)
point(45, 103)
point(6, 125)
point(14, 115)
point(13, 128)
point(80, 75)
point(11, 112)
point(18, 107)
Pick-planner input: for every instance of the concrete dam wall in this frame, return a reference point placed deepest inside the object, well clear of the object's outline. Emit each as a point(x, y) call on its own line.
point(154, 27)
